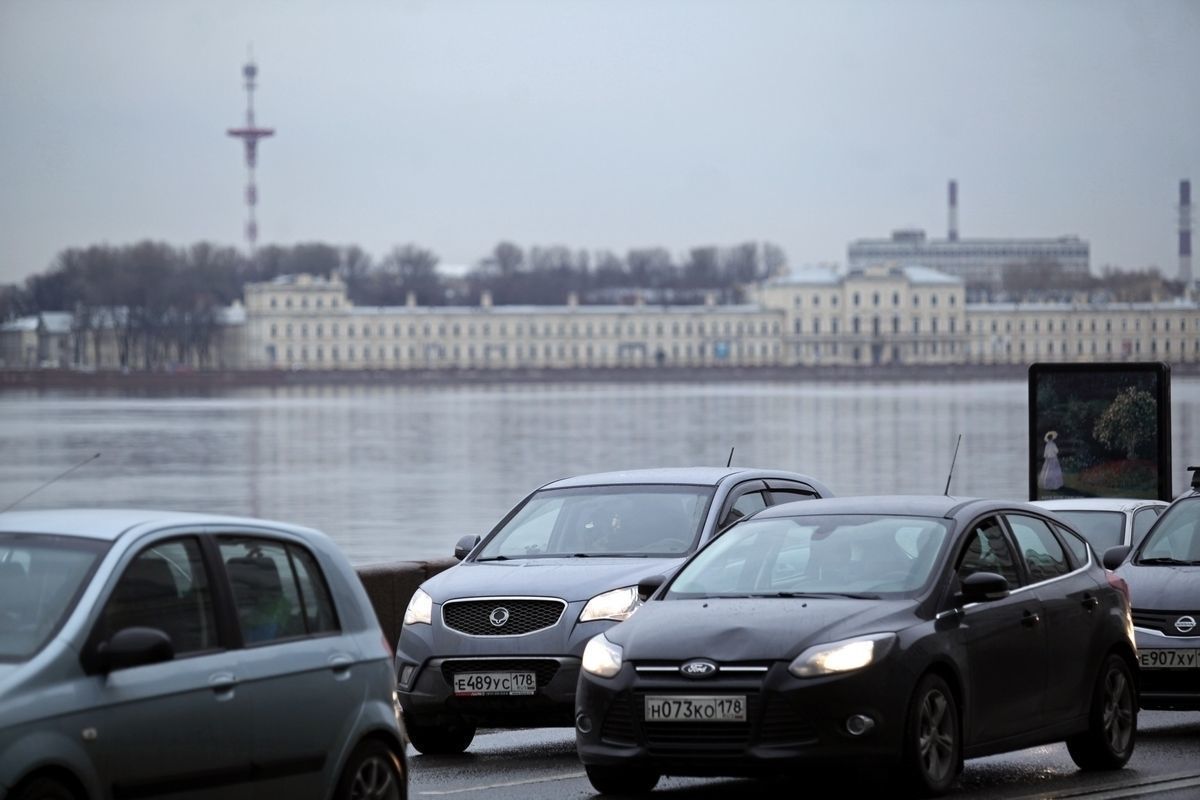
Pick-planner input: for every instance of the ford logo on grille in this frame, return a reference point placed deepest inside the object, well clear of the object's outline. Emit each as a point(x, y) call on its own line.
point(698, 669)
point(498, 617)
point(1185, 624)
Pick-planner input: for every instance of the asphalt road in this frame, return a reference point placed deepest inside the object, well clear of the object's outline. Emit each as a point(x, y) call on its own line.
point(541, 765)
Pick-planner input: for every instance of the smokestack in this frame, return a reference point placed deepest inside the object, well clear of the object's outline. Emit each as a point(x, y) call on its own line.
point(1185, 232)
point(953, 234)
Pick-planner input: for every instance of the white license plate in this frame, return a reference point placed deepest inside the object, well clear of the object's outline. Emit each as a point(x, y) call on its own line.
point(695, 708)
point(1169, 659)
point(467, 684)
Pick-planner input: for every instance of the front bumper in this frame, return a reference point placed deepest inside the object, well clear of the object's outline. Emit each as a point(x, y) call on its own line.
point(1167, 689)
point(789, 720)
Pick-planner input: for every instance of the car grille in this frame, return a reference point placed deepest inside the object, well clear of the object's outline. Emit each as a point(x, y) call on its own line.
point(1164, 621)
point(769, 721)
point(543, 668)
point(1169, 681)
point(475, 617)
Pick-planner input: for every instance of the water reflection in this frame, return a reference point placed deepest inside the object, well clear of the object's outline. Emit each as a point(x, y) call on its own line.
point(394, 472)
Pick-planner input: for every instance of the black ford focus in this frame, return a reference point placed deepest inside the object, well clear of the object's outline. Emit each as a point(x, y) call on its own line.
point(912, 632)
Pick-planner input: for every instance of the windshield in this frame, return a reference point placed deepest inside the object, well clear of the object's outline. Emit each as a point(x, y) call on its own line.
point(603, 521)
point(1175, 538)
point(41, 578)
point(1102, 529)
point(859, 555)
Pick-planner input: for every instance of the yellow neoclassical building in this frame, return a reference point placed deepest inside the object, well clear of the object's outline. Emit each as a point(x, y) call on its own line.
point(872, 316)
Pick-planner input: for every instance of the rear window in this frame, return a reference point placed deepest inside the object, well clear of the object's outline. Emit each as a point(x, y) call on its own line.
point(41, 579)
point(1102, 529)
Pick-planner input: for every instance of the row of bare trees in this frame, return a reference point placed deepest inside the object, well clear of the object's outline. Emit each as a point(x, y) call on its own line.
point(160, 304)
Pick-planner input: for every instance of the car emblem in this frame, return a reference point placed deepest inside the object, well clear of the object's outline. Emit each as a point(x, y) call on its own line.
point(698, 669)
point(498, 617)
point(1185, 624)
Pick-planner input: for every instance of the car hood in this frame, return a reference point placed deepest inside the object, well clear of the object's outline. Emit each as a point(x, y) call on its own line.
point(1161, 587)
point(568, 578)
point(753, 629)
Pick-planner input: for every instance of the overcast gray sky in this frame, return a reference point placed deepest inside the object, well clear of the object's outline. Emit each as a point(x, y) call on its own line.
point(605, 124)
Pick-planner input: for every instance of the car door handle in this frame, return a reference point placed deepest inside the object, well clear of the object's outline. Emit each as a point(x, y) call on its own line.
point(223, 684)
point(1030, 619)
point(340, 664)
point(1090, 602)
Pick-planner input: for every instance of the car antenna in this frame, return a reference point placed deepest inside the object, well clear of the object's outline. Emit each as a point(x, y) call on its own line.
point(729, 461)
point(952, 460)
point(52, 480)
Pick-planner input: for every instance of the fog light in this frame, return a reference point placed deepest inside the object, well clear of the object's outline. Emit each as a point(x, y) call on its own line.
point(406, 675)
point(859, 724)
point(584, 723)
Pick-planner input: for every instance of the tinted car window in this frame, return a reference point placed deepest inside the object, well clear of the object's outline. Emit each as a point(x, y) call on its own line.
point(264, 590)
point(1143, 521)
point(744, 506)
point(1076, 544)
point(40, 580)
point(779, 496)
point(603, 520)
point(987, 550)
point(1044, 556)
point(319, 613)
point(166, 587)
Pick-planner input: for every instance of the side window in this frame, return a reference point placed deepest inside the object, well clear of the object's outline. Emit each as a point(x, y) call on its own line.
point(166, 587)
point(1044, 556)
point(779, 496)
point(319, 615)
point(1077, 545)
point(1143, 520)
point(987, 550)
point(265, 589)
point(744, 506)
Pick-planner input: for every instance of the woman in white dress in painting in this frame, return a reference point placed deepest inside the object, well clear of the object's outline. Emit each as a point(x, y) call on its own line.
point(1051, 476)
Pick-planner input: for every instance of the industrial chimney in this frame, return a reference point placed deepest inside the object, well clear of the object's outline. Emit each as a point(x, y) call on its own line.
point(1185, 232)
point(953, 234)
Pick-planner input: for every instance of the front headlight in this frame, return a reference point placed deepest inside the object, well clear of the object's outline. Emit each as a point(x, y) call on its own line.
point(846, 656)
point(420, 609)
point(602, 657)
point(615, 605)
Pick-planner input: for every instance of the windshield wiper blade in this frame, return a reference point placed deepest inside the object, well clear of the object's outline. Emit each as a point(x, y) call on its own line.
point(851, 595)
point(1167, 560)
point(493, 558)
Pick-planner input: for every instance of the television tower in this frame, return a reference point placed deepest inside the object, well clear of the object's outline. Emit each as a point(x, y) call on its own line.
point(250, 134)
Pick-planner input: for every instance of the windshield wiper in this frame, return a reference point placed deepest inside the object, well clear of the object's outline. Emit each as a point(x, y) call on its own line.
point(851, 595)
point(492, 558)
point(1168, 560)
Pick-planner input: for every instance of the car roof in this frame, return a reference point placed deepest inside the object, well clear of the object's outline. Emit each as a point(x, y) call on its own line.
point(1096, 504)
point(109, 524)
point(688, 476)
point(916, 505)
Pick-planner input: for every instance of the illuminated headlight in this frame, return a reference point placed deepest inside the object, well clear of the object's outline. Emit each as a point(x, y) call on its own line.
point(846, 656)
point(420, 609)
point(616, 605)
point(602, 657)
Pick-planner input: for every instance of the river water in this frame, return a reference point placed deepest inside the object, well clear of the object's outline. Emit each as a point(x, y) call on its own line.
point(395, 472)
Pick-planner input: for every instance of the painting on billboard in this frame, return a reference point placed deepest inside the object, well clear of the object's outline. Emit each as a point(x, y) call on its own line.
point(1100, 430)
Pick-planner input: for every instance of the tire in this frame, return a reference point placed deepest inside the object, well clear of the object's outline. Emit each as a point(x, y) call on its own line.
point(43, 788)
point(441, 740)
point(1112, 720)
point(932, 751)
point(609, 779)
point(373, 772)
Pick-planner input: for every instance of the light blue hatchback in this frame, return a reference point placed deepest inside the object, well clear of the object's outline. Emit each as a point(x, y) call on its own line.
point(161, 654)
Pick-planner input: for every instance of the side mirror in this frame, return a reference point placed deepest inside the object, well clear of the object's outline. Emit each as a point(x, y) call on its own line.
point(1113, 556)
point(133, 647)
point(981, 587)
point(465, 545)
point(648, 586)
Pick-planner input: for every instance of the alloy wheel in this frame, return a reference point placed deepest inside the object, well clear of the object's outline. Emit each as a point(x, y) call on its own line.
point(374, 780)
point(1118, 711)
point(935, 736)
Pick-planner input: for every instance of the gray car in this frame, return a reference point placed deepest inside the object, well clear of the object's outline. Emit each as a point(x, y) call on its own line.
point(160, 654)
point(497, 639)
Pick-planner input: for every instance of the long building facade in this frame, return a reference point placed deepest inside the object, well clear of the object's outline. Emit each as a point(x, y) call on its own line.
point(873, 316)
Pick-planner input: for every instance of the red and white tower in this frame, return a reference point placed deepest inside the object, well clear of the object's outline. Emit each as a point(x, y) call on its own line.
point(250, 134)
